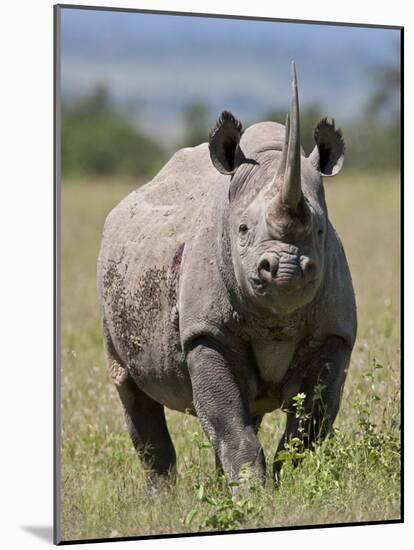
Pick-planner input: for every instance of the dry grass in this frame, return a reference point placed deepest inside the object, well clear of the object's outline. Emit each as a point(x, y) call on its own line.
point(354, 477)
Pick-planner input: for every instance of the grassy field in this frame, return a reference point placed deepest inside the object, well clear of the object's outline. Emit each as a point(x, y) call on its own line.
point(353, 477)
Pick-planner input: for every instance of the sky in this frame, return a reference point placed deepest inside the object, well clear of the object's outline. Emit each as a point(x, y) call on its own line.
point(155, 65)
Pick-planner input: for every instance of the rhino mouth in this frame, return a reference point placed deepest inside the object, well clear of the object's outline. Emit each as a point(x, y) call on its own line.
point(258, 285)
point(283, 286)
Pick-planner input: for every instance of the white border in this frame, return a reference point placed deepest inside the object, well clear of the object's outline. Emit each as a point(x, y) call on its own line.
point(26, 230)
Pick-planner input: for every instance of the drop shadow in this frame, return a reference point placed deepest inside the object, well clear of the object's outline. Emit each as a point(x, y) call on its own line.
point(44, 532)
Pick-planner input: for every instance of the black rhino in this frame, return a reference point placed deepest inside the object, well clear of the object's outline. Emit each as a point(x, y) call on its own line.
point(225, 291)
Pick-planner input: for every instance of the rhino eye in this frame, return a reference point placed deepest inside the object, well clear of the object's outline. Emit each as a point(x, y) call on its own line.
point(243, 228)
point(320, 232)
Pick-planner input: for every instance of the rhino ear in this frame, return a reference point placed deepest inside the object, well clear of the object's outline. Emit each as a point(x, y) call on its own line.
point(224, 140)
point(328, 155)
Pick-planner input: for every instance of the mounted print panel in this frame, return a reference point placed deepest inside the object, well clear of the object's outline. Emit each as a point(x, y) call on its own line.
point(228, 273)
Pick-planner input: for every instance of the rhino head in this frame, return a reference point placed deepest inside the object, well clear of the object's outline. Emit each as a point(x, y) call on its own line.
point(276, 218)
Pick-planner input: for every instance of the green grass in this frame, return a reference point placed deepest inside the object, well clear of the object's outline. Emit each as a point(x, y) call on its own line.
point(352, 477)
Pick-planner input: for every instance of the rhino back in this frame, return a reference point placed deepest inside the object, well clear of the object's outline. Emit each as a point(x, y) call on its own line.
point(151, 221)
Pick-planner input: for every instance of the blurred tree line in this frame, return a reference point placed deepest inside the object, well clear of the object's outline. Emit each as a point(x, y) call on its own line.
point(99, 140)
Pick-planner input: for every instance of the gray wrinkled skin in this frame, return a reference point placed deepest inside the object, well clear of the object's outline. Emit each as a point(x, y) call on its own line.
point(216, 304)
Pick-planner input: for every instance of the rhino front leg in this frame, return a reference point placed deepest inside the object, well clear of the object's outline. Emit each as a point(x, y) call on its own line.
point(222, 409)
point(257, 420)
point(323, 389)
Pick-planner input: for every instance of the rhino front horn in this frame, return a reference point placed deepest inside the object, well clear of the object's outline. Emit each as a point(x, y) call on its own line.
point(288, 178)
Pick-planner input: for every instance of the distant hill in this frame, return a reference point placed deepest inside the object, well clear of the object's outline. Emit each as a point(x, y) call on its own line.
point(156, 65)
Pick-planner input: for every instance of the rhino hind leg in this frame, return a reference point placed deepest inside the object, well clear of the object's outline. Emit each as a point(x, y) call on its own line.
point(145, 421)
point(323, 390)
point(147, 426)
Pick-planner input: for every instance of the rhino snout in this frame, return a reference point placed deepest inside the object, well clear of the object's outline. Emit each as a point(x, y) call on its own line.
point(286, 271)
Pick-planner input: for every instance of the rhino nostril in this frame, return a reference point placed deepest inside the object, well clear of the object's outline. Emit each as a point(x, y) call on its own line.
point(264, 265)
point(267, 268)
point(308, 266)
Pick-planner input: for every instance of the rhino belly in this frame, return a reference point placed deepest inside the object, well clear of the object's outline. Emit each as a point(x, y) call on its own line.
point(164, 378)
